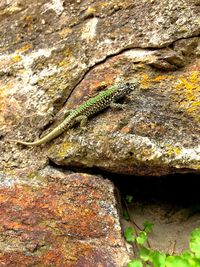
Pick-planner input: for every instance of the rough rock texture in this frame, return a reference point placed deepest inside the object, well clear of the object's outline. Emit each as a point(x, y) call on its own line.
point(49, 218)
point(157, 133)
point(52, 56)
point(56, 54)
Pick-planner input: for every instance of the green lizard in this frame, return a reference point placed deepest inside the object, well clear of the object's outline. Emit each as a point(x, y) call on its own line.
point(93, 105)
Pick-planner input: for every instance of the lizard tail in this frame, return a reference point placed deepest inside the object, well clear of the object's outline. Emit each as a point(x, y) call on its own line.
point(35, 143)
point(57, 131)
point(50, 136)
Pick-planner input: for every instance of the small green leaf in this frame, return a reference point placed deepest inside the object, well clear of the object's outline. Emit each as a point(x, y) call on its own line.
point(129, 234)
point(144, 253)
point(186, 255)
point(129, 199)
point(158, 259)
point(126, 215)
point(142, 237)
point(149, 257)
point(155, 257)
point(195, 242)
point(135, 263)
point(148, 226)
point(177, 261)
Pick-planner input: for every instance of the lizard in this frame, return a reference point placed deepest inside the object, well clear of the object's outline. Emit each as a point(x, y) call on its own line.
point(85, 110)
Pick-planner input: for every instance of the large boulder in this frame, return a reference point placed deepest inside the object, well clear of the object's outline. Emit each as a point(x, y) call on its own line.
point(51, 218)
point(58, 54)
point(53, 56)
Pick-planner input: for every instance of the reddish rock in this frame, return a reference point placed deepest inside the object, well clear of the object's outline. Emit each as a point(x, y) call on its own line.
point(50, 218)
point(56, 54)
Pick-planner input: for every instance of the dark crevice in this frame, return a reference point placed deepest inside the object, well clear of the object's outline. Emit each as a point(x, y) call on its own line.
point(177, 189)
point(79, 169)
point(182, 38)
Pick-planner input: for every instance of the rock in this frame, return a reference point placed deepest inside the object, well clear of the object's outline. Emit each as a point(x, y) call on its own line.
point(49, 218)
point(157, 134)
point(57, 55)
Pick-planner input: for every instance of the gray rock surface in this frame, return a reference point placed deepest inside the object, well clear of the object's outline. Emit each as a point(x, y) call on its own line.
point(56, 54)
point(61, 52)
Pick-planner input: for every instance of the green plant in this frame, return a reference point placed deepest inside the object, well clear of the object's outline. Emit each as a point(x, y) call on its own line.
point(147, 257)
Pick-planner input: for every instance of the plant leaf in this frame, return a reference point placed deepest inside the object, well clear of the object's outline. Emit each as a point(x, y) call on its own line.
point(142, 237)
point(126, 215)
point(135, 263)
point(177, 261)
point(195, 242)
point(158, 259)
point(129, 234)
point(144, 253)
point(129, 199)
point(148, 226)
point(153, 256)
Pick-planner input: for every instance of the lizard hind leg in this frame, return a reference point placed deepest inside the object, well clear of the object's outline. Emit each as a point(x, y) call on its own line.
point(83, 121)
point(115, 106)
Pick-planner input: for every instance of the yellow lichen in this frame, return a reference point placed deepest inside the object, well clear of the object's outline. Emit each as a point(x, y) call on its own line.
point(67, 59)
point(159, 78)
point(24, 48)
point(105, 4)
point(16, 58)
point(146, 80)
point(90, 11)
point(188, 93)
point(63, 149)
point(65, 32)
point(28, 20)
point(172, 150)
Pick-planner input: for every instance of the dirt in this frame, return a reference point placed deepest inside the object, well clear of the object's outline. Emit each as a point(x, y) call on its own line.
point(172, 203)
point(172, 224)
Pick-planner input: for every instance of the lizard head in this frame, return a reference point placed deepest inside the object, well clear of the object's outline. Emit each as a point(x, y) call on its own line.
point(124, 88)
